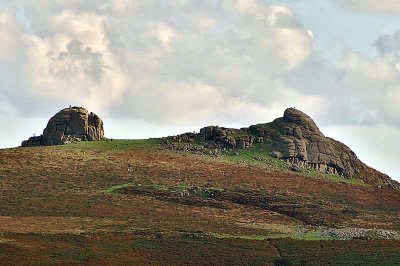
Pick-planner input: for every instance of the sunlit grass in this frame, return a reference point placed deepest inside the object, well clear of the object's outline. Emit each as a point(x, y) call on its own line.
point(114, 144)
point(309, 235)
point(116, 187)
point(258, 155)
point(203, 192)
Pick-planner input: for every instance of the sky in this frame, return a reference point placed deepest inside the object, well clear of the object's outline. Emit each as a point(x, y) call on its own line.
point(155, 68)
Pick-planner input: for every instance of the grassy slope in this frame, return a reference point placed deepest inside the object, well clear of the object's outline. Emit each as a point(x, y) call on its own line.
point(259, 155)
point(77, 203)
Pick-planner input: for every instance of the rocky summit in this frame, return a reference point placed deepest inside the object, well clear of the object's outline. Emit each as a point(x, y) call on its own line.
point(294, 138)
point(69, 125)
point(302, 143)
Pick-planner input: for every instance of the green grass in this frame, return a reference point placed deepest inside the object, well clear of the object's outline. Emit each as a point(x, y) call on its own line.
point(116, 187)
point(147, 185)
point(244, 237)
point(114, 145)
point(143, 244)
point(336, 178)
point(277, 231)
point(203, 192)
point(257, 155)
point(260, 155)
point(310, 236)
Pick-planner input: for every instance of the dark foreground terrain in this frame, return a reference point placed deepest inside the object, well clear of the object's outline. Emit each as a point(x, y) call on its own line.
point(77, 204)
point(124, 249)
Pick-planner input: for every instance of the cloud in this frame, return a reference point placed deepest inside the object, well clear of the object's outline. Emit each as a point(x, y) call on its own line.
point(357, 90)
point(64, 61)
point(181, 62)
point(117, 56)
point(388, 47)
point(76, 61)
point(371, 86)
point(9, 34)
point(164, 33)
point(390, 7)
point(187, 62)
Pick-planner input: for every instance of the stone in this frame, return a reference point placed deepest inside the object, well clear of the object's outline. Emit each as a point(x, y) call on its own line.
point(359, 233)
point(295, 168)
point(259, 140)
point(69, 125)
point(296, 139)
point(303, 144)
point(33, 141)
point(244, 142)
point(276, 154)
point(222, 137)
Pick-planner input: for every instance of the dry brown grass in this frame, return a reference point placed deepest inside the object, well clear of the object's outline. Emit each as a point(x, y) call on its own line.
point(58, 191)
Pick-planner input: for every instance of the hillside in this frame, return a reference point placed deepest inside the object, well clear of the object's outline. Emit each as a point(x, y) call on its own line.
point(293, 138)
point(77, 203)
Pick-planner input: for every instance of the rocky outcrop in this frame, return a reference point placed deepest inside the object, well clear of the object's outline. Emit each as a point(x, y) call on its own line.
point(222, 137)
point(294, 138)
point(359, 233)
point(32, 141)
point(68, 125)
point(302, 143)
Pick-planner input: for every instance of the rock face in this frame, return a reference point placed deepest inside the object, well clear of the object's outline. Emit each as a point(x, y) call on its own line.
point(222, 137)
point(303, 144)
point(68, 125)
point(294, 138)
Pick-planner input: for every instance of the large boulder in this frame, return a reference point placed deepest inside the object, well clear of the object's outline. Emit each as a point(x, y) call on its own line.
point(302, 143)
point(68, 125)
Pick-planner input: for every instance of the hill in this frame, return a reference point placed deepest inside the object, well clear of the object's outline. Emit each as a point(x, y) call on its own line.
point(190, 200)
point(293, 138)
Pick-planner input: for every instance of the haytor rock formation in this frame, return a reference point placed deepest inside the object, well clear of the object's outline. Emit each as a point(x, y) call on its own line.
point(302, 143)
point(294, 138)
point(68, 125)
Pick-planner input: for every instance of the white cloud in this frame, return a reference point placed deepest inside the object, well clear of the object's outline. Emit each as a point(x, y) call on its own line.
point(248, 6)
point(86, 27)
point(107, 55)
point(151, 61)
point(9, 35)
point(293, 45)
point(164, 33)
point(64, 61)
point(391, 7)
